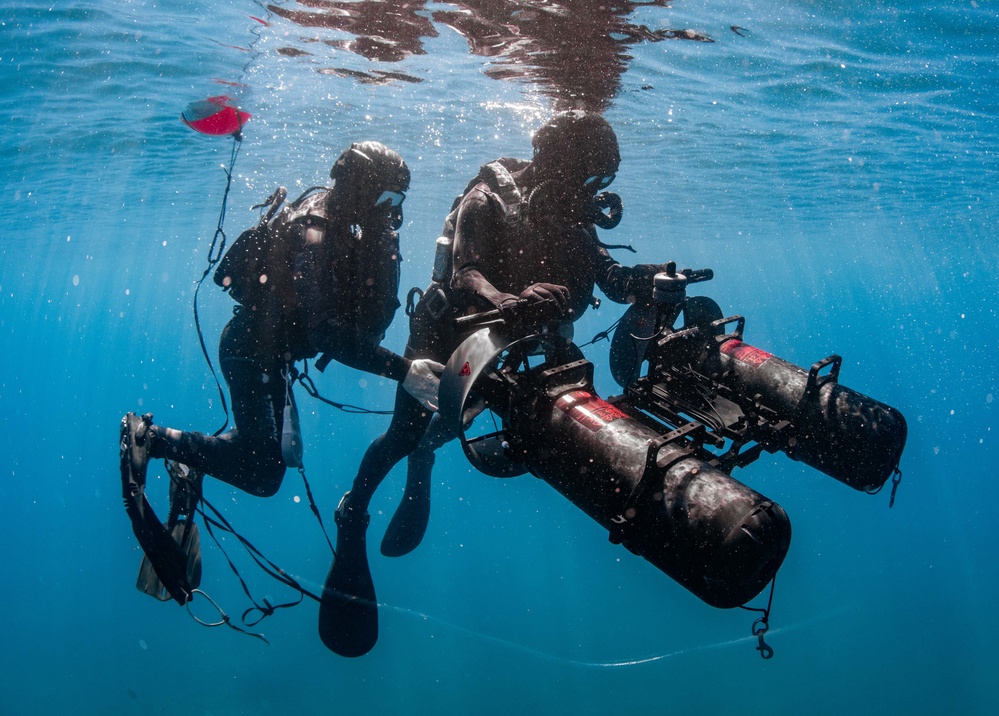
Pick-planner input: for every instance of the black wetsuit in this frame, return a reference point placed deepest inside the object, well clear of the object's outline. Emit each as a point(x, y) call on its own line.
point(336, 294)
point(511, 257)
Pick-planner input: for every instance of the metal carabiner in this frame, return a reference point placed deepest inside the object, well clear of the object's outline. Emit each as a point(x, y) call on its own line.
point(760, 627)
point(896, 480)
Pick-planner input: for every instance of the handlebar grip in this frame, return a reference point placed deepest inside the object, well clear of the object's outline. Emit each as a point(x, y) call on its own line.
point(476, 319)
point(698, 275)
point(521, 310)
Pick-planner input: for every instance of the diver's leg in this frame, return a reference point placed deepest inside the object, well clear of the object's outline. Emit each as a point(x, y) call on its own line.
point(249, 455)
point(409, 421)
point(348, 612)
point(429, 338)
point(258, 396)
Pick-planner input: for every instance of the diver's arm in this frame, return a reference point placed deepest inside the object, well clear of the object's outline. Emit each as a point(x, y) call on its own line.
point(355, 351)
point(623, 284)
point(419, 377)
point(475, 235)
point(477, 291)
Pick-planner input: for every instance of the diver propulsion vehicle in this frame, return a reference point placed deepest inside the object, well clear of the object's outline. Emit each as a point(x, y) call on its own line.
point(653, 465)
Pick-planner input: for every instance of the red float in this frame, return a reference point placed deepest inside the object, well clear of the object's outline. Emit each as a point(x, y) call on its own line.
point(215, 116)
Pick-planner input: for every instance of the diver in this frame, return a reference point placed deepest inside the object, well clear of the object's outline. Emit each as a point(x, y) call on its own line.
point(320, 276)
point(521, 231)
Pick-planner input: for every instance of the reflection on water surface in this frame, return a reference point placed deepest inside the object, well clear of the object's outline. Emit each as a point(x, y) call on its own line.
point(575, 52)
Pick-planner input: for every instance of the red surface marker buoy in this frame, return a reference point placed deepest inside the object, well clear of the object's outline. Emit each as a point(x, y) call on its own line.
point(215, 116)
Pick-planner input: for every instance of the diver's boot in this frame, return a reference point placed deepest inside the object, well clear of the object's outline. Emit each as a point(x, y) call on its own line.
point(133, 452)
point(183, 447)
point(348, 612)
point(409, 523)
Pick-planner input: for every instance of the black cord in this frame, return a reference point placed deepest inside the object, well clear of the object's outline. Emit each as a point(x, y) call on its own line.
point(310, 387)
point(604, 334)
point(218, 520)
point(762, 625)
point(217, 247)
point(215, 252)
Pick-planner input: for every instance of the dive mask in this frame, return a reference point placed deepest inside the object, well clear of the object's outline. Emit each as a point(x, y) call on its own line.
point(598, 181)
point(392, 202)
point(393, 199)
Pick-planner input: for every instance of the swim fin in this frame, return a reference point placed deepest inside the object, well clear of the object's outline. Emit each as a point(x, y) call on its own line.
point(409, 523)
point(185, 491)
point(348, 612)
point(166, 556)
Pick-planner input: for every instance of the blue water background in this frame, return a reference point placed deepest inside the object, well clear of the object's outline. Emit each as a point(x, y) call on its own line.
point(835, 164)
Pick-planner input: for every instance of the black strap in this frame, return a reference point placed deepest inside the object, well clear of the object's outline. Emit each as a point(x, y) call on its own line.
point(896, 480)
point(603, 335)
point(611, 247)
point(414, 296)
point(305, 379)
point(218, 520)
point(315, 508)
point(223, 618)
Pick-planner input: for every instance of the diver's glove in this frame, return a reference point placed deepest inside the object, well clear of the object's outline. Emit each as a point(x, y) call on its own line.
point(422, 381)
point(642, 282)
point(537, 305)
point(537, 292)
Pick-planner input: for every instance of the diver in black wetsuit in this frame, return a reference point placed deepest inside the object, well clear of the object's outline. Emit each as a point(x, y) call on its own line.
point(546, 248)
point(329, 284)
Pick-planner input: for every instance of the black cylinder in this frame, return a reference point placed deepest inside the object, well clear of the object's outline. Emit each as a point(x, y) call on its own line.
point(717, 537)
point(847, 435)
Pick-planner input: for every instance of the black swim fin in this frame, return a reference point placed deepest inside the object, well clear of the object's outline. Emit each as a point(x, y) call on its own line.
point(185, 491)
point(409, 523)
point(348, 612)
point(166, 556)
